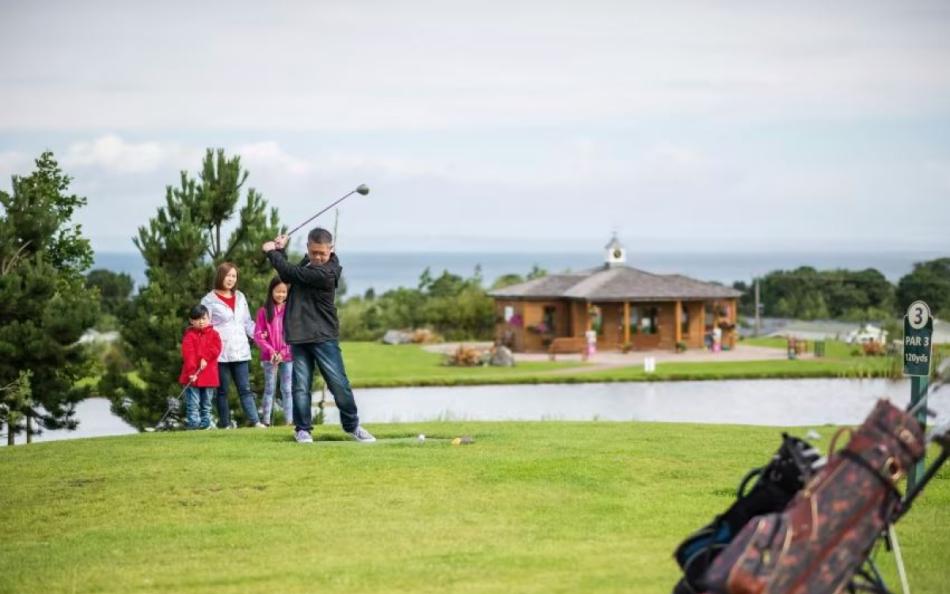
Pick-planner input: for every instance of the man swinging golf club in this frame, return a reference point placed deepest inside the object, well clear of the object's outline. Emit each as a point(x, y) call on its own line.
point(311, 329)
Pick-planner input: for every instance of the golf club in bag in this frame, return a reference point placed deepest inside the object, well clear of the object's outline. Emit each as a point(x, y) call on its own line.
point(823, 541)
point(172, 414)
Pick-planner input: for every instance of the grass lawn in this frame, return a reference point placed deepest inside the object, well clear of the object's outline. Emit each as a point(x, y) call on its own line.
point(377, 365)
point(371, 364)
point(530, 507)
point(833, 348)
point(858, 367)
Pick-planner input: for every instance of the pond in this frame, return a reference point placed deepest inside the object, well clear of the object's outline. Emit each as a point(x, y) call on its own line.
point(752, 402)
point(809, 402)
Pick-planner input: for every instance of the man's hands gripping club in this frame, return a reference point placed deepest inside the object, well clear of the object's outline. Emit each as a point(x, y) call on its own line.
point(279, 243)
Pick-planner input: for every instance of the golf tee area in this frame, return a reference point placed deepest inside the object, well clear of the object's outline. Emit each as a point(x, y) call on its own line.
point(527, 507)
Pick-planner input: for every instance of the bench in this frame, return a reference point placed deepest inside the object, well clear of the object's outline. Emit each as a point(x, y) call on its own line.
point(567, 344)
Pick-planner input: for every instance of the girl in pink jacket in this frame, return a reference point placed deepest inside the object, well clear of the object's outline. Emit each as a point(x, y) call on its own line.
point(275, 353)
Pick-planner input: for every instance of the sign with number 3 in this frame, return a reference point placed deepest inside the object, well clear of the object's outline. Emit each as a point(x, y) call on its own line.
point(918, 330)
point(918, 314)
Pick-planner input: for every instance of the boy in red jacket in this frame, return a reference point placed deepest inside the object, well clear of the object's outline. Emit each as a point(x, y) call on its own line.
point(200, 348)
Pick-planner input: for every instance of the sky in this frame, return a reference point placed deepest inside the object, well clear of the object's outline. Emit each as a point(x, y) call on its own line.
point(502, 126)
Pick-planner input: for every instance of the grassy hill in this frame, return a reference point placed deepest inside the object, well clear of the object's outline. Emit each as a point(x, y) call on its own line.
point(529, 507)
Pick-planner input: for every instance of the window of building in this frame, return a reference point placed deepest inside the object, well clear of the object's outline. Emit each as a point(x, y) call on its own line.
point(596, 319)
point(684, 320)
point(648, 321)
point(710, 315)
point(549, 319)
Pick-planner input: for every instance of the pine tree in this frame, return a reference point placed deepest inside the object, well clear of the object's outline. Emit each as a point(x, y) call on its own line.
point(182, 244)
point(15, 400)
point(44, 303)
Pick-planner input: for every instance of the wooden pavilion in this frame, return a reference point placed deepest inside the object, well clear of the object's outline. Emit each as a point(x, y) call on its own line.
point(627, 308)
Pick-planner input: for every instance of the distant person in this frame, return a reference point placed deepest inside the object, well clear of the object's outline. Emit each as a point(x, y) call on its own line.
point(200, 347)
point(590, 338)
point(275, 353)
point(313, 331)
point(717, 338)
point(231, 317)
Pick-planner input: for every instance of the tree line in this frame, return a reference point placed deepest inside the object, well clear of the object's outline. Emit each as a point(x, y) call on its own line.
point(456, 307)
point(858, 296)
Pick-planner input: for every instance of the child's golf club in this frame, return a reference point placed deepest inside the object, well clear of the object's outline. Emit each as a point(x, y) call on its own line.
point(173, 404)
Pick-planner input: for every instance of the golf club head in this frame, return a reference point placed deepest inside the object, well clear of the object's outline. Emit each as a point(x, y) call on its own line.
point(362, 189)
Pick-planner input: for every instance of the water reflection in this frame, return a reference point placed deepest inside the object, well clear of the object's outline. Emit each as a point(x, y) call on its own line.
point(95, 420)
point(753, 402)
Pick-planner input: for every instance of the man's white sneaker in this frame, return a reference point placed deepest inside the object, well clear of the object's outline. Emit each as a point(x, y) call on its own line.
point(303, 436)
point(361, 435)
point(260, 425)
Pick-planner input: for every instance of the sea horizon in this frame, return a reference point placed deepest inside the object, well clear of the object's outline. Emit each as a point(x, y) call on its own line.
point(382, 271)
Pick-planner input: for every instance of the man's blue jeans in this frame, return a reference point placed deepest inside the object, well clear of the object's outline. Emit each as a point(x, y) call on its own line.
point(238, 370)
point(198, 407)
point(329, 359)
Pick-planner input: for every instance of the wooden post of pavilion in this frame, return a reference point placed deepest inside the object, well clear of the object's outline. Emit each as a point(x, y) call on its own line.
point(678, 323)
point(626, 323)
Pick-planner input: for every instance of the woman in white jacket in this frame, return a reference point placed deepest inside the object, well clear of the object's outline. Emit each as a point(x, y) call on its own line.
point(231, 317)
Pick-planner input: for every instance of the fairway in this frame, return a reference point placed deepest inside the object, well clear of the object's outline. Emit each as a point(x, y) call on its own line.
point(529, 507)
point(374, 365)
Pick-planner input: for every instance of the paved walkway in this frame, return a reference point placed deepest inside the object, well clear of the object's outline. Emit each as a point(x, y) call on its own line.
point(613, 359)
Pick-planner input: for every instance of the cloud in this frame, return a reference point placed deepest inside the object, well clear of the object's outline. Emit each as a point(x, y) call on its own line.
point(270, 156)
point(112, 153)
point(389, 165)
point(13, 163)
point(689, 185)
point(444, 66)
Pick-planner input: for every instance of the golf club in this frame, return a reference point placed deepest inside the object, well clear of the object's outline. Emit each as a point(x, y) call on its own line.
point(943, 377)
point(360, 189)
point(173, 405)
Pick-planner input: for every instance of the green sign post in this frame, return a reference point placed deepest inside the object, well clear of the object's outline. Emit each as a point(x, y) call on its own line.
point(918, 330)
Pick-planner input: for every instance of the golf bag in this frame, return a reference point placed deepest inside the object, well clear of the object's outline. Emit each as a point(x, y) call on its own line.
point(775, 485)
point(825, 535)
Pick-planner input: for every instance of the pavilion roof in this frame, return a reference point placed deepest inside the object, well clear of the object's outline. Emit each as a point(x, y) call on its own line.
point(616, 283)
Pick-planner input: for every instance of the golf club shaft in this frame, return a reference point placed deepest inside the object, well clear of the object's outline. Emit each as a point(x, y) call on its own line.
point(929, 474)
point(297, 228)
point(168, 410)
point(938, 383)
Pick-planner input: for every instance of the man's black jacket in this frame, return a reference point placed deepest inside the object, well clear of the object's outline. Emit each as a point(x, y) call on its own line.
point(311, 311)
